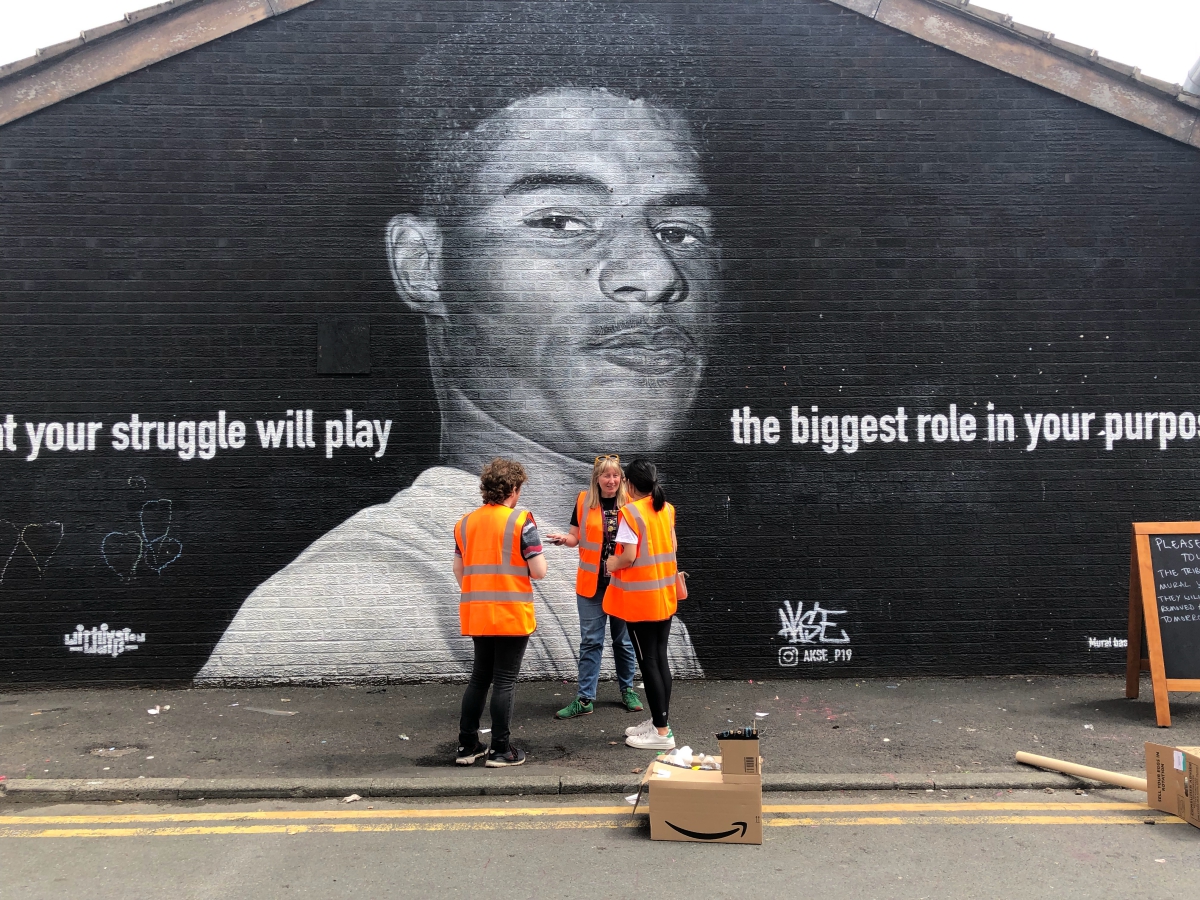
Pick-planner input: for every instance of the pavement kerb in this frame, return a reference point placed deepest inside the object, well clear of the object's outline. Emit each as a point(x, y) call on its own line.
point(46, 790)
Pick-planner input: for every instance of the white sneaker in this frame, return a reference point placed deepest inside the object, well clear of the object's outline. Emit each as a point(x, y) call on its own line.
point(640, 728)
point(652, 741)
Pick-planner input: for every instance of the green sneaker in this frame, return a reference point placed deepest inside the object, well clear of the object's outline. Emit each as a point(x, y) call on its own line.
point(577, 707)
point(629, 699)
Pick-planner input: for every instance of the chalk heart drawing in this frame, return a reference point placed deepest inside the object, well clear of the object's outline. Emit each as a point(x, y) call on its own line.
point(40, 540)
point(160, 550)
point(122, 551)
point(155, 519)
point(12, 540)
point(161, 553)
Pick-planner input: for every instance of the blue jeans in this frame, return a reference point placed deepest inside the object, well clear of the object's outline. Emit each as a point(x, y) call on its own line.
point(591, 646)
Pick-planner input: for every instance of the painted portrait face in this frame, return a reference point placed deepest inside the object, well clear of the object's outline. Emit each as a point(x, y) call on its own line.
point(579, 273)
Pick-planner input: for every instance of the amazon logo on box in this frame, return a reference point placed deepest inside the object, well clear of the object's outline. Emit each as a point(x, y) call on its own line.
point(709, 806)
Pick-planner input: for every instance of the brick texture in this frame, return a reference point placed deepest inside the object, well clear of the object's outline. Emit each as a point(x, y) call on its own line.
point(899, 226)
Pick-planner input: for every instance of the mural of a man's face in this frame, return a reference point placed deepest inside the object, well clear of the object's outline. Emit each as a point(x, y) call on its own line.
point(570, 296)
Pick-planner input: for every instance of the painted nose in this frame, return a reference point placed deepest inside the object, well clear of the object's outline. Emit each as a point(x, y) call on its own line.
point(638, 269)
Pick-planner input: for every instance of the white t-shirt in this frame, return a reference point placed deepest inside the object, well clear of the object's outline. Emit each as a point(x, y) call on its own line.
point(625, 534)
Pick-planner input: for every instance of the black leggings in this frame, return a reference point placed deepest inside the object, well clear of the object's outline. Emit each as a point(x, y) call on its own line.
point(497, 665)
point(650, 645)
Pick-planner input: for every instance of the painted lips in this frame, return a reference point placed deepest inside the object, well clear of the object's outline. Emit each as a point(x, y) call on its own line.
point(649, 351)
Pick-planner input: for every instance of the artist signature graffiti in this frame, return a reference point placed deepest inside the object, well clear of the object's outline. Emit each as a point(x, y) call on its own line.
point(101, 641)
point(811, 627)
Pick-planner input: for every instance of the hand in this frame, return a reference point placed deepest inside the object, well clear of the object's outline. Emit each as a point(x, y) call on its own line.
point(557, 538)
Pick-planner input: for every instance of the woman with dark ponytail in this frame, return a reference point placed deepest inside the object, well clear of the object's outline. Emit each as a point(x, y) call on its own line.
point(643, 592)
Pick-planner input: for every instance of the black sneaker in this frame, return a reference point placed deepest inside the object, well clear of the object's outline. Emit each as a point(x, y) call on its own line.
point(467, 757)
point(514, 757)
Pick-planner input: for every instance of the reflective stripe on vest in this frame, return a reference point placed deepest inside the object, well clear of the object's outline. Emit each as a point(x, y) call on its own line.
point(591, 540)
point(497, 595)
point(645, 591)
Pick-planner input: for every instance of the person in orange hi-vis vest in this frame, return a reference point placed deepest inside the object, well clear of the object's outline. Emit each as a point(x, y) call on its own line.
point(497, 553)
point(594, 531)
point(643, 593)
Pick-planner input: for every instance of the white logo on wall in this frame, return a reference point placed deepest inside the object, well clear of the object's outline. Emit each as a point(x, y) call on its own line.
point(813, 626)
point(102, 642)
point(1111, 643)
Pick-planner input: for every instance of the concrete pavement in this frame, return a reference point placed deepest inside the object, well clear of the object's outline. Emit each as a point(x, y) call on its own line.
point(398, 740)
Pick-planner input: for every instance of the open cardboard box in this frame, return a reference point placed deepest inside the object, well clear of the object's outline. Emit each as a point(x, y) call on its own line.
point(715, 807)
point(1173, 780)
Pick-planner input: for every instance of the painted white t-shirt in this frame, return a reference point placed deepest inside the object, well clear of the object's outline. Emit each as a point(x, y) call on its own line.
point(376, 596)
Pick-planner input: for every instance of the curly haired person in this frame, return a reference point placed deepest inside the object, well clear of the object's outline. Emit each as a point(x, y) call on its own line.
point(497, 556)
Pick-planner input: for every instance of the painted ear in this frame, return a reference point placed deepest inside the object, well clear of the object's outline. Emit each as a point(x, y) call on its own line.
point(414, 247)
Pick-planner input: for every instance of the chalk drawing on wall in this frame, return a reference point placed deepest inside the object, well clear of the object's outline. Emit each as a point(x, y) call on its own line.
point(39, 539)
point(152, 544)
point(102, 641)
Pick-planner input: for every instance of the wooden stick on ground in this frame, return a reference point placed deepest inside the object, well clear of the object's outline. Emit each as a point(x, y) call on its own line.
point(1069, 768)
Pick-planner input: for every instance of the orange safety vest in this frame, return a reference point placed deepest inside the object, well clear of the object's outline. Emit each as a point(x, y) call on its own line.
point(645, 591)
point(591, 540)
point(497, 595)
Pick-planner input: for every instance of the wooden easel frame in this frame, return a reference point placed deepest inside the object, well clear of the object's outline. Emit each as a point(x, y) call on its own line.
point(1143, 609)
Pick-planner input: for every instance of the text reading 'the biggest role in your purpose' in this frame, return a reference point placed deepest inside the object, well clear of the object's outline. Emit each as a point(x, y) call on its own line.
point(848, 433)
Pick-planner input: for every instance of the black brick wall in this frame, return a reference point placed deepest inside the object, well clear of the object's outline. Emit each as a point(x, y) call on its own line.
point(902, 227)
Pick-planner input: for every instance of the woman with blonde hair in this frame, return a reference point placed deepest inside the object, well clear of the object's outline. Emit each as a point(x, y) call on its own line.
point(594, 531)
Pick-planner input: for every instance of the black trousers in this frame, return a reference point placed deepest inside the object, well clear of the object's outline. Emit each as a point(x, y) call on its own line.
point(650, 646)
point(497, 665)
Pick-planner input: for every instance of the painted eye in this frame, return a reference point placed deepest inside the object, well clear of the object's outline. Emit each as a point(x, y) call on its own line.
point(678, 236)
point(557, 223)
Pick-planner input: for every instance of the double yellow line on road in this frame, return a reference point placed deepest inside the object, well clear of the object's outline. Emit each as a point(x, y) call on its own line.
point(343, 821)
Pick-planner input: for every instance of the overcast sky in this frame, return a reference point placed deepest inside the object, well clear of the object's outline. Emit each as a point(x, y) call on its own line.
point(1162, 37)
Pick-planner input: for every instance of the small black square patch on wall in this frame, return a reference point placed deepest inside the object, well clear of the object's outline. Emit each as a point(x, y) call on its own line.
point(344, 347)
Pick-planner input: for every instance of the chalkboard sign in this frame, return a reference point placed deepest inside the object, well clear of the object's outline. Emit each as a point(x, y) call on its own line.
point(1164, 611)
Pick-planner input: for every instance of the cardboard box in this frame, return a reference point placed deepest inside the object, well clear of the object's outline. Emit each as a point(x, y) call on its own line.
point(1173, 780)
point(740, 762)
point(713, 807)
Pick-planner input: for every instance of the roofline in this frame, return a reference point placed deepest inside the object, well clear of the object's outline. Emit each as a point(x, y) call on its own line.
point(103, 54)
point(149, 36)
point(995, 40)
